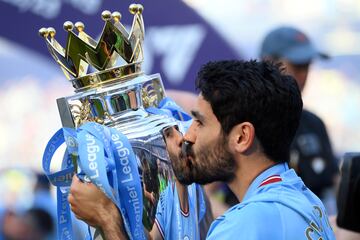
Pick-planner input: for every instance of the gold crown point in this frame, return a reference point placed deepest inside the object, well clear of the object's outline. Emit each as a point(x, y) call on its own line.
point(141, 8)
point(51, 32)
point(68, 26)
point(43, 32)
point(116, 16)
point(79, 26)
point(134, 8)
point(106, 15)
point(75, 58)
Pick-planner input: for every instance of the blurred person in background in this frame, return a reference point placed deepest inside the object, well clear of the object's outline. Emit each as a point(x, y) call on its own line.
point(27, 207)
point(33, 224)
point(311, 154)
point(27, 210)
point(12, 226)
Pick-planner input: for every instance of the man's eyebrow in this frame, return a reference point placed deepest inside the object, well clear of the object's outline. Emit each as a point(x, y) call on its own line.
point(197, 115)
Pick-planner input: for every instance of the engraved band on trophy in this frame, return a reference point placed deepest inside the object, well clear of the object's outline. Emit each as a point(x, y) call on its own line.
point(115, 94)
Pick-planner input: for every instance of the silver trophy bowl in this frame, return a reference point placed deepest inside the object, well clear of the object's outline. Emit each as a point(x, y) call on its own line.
point(123, 107)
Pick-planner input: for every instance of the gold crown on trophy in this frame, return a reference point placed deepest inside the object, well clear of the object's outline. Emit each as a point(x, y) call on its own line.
point(89, 63)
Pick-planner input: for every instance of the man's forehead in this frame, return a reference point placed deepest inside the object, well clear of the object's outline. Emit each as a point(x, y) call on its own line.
point(198, 104)
point(202, 107)
point(201, 100)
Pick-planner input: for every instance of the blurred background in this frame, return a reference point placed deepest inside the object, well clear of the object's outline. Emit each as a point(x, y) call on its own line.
point(180, 37)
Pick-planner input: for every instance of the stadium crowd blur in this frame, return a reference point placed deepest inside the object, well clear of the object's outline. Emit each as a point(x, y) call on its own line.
point(28, 207)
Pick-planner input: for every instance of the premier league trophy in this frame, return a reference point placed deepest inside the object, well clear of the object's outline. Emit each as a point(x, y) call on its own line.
point(112, 91)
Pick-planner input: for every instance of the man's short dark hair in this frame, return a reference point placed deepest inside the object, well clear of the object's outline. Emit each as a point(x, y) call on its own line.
point(255, 92)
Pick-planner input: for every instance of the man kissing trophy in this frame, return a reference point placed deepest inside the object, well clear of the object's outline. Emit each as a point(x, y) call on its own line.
point(112, 138)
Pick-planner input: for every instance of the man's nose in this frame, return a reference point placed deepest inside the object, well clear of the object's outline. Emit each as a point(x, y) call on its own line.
point(190, 135)
point(178, 137)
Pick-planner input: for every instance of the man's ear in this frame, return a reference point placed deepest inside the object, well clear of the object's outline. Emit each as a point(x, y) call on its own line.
point(241, 137)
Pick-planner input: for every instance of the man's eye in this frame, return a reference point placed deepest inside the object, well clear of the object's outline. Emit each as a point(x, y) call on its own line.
point(170, 132)
point(198, 122)
point(167, 132)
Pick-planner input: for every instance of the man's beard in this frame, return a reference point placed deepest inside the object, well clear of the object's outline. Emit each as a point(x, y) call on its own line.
point(208, 164)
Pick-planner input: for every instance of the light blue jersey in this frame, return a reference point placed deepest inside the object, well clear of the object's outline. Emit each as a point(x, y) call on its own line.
point(278, 206)
point(172, 222)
